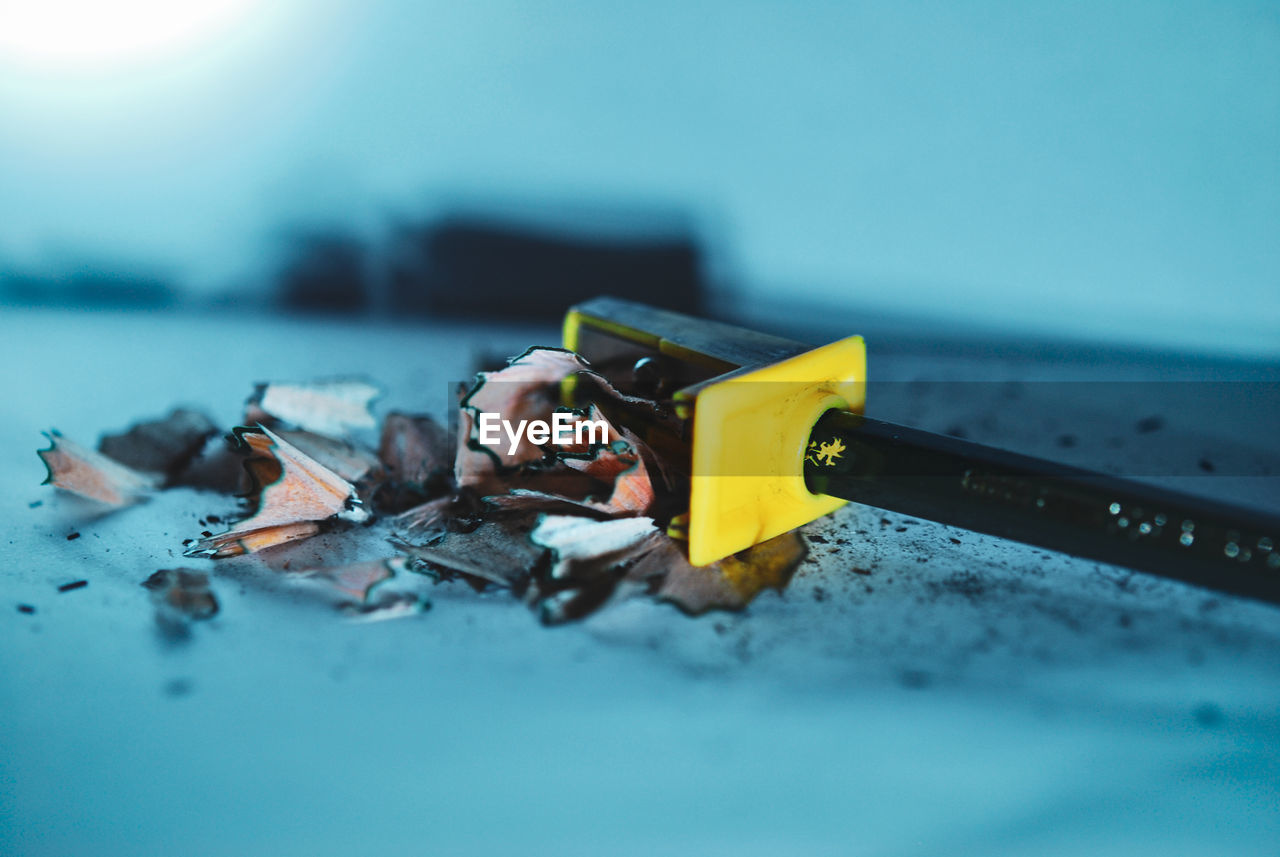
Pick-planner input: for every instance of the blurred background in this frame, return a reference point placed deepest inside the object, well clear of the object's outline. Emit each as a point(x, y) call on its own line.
point(1092, 172)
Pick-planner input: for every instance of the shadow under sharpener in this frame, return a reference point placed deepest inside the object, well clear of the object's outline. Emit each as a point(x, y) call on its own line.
point(738, 409)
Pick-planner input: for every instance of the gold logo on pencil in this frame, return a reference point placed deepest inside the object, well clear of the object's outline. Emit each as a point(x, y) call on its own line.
point(824, 454)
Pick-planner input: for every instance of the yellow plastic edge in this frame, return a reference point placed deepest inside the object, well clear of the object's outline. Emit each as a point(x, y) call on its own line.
point(569, 333)
point(749, 438)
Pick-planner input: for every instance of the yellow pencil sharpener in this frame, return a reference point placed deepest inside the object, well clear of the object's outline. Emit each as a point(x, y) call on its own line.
point(735, 411)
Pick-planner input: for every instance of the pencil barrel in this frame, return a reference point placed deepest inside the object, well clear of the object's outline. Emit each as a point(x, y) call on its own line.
point(1071, 510)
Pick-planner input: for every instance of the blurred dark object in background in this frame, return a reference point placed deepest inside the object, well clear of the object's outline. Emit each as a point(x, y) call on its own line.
point(325, 272)
point(474, 265)
point(477, 267)
point(100, 288)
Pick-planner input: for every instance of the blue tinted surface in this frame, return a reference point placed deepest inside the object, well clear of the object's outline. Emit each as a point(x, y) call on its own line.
point(917, 690)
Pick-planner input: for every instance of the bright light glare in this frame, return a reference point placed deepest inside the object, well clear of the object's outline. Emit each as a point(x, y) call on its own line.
point(99, 33)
